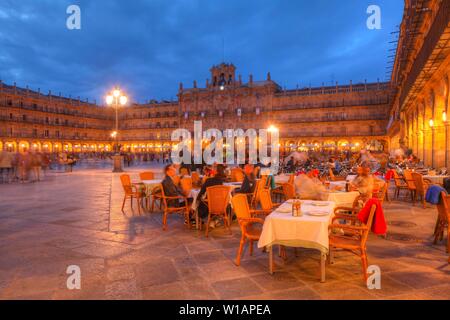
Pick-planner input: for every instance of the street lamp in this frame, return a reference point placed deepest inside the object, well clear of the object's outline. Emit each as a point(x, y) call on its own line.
point(116, 99)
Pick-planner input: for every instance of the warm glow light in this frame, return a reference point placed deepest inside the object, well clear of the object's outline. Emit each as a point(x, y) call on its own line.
point(109, 100)
point(272, 128)
point(431, 123)
point(444, 116)
point(116, 93)
point(114, 134)
point(357, 144)
point(123, 100)
point(222, 87)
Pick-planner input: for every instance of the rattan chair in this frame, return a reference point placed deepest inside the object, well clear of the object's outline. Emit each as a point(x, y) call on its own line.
point(250, 227)
point(237, 175)
point(184, 209)
point(218, 198)
point(421, 187)
point(400, 184)
point(407, 176)
point(443, 220)
point(131, 191)
point(354, 237)
point(288, 191)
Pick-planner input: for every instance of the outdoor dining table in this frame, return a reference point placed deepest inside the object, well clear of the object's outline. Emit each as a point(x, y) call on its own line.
point(150, 185)
point(308, 231)
point(438, 179)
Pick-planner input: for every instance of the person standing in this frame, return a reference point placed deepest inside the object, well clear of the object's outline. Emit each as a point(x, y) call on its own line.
point(6, 160)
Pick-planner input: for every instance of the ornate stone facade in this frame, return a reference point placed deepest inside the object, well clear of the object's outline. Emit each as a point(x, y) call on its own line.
point(419, 117)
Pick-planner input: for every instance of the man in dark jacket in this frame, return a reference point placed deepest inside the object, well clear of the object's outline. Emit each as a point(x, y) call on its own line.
point(170, 188)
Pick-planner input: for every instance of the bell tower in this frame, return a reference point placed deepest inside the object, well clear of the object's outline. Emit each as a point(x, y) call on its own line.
point(222, 75)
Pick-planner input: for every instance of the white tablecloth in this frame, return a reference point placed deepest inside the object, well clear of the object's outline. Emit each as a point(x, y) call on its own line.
point(306, 231)
point(436, 179)
point(150, 185)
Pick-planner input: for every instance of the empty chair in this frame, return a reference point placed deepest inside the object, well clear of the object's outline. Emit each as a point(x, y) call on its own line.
point(130, 191)
point(443, 219)
point(172, 204)
point(421, 187)
point(288, 191)
point(237, 175)
point(407, 176)
point(218, 198)
point(400, 184)
point(353, 238)
point(333, 177)
point(250, 227)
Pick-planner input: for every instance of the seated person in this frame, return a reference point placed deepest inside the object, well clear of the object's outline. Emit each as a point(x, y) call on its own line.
point(249, 183)
point(309, 187)
point(170, 188)
point(363, 183)
point(218, 179)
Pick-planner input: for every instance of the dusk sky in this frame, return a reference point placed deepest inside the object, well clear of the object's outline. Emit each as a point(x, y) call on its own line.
point(149, 46)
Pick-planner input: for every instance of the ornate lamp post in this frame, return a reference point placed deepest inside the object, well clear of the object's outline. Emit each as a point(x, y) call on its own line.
point(116, 99)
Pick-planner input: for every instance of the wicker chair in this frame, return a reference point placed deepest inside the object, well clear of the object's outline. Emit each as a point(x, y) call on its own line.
point(407, 175)
point(237, 175)
point(353, 239)
point(248, 224)
point(421, 187)
point(267, 206)
point(333, 177)
point(400, 185)
point(288, 191)
point(169, 210)
point(443, 220)
point(218, 198)
point(131, 191)
point(278, 191)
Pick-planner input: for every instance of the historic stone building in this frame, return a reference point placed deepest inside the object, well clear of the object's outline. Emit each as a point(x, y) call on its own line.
point(410, 111)
point(419, 116)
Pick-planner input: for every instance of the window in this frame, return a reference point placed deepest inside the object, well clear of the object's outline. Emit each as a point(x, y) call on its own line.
point(57, 133)
point(46, 133)
point(34, 132)
point(24, 117)
point(10, 116)
point(9, 102)
point(57, 120)
point(47, 120)
point(66, 122)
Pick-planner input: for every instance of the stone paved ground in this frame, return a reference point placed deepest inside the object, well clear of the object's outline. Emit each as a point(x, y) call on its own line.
point(75, 219)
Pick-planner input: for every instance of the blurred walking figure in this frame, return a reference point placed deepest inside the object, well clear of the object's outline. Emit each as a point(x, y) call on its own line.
point(23, 165)
point(36, 163)
point(6, 166)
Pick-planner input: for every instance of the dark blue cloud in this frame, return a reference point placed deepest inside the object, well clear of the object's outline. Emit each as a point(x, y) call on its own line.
point(148, 47)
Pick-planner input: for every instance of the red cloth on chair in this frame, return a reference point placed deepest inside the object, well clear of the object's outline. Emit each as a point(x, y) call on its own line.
point(389, 175)
point(379, 223)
